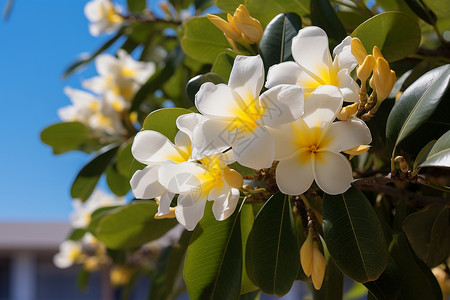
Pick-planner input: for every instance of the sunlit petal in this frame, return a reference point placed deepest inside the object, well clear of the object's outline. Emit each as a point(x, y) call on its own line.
point(247, 76)
point(294, 176)
point(186, 177)
point(210, 137)
point(332, 172)
point(348, 87)
point(345, 135)
point(323, 105)
point(189, 215)
point(254, 148)
point(187, 122)
point(164, 203)
point(151, 146)
point(343, 57)
point(145, 184)
point(284, 137)
point(284, 73)
point(224, 206)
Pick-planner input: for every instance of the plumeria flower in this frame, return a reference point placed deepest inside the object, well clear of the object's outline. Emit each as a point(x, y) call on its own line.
point(69, 253)
point(238, 117)
point(103, 15)
point(309, 149)
point(81, 215)
point(196, 183)
point(313, 65)
point(119, 78)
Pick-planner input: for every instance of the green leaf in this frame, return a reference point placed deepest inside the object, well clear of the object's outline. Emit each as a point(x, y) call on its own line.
point(66, 136)
point(124, 159)
point(77, 234)
point(395, 33)
point(324, 16)
point(428, 233)
point(202, 40)
point(439, 7)
point(266, 10)
point(275, 45)
point(422, 11)
point(354, 235)
point(247, 219)
point(117, 183)
point(173, 60)
point(83, 279)
point(83, 61)
point(388, 285)
point(136, 6)
point(223, 64)
point(417, 280)
point(439, 153)
point(194, 84)
point(420, 158)
point(214, 258)
point(131, 225)
point(164, 121)
point(416, 105)
point(87, 178)
point(202, 4)
point(255, 295)
point(272, 257)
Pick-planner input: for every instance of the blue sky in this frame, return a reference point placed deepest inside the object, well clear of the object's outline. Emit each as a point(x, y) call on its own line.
point(40, 39)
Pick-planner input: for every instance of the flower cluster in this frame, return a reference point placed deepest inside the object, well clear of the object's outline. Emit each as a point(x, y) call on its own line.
point(292, 124)
point(104, 16)
point(107, 110)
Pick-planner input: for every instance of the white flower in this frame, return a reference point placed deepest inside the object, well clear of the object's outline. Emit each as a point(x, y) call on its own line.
point(103, 15)
point(314, 66)
point(238, 116)
point(309, 148)
point(119, 78)
point(81, 215)
point(69, 252)
point(195, 183)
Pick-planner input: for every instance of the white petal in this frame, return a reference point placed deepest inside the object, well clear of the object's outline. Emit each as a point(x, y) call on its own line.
point(186, 177)
point(224, 206)
point(323, 105)
point(92, 11)
point(187, 123)
point(106, 64)
point(220, 189)
point(210, 137)
point(345, 135)
point(283, 73)
point(343, 57)
point(145, 184)
point(348, 87)
point(61, 261)
point(282, 104)
point(294, 176)
point(247, 76)
point(95, 84)
point(151, 147)
point(254, 149)
point(183, 142)
point(218, 101)
point(164, 203)
point(189, 215)
point(310, 50)
point(284, 138)
point(332, 172)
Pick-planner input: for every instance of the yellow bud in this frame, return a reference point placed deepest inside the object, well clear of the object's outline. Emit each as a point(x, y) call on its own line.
point(358, 50)
point(306, 254)
point(228, 29)
point(348, 111)
point(376, 52)
point(397, 96)
point(91, 264)
point(170, 215)
point(357, 150)
point(319, 264)
point(120, 275)
point(249, 27)
point(383, 79)
point(364, 70)
point(233, 178)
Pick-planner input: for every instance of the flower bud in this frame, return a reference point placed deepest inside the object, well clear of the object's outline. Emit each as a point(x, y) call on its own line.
point(347, 112)
point(358, 50)
point(319, 264)
point(357, 150)
point(383, 79)
point(170, 215)
point(364, 70)
point(120, 275)
point(376, 52)
point(228, 28)
point(233, 178)
point(91, 264)
point(250, 27)
point(306, 254)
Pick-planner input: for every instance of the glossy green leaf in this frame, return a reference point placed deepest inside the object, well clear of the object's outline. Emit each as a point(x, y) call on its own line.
point(136, 6)
point(83, 61)
point(255, 295)
point(416, 105)
point(428, 233)
point(417, 280)
point(77, 234)
point(131, 225)
point(420, 158)
point(214, 258)
point(247, 219)
point(87, 178)
point(439, 7)
point(395, 33)
point(422, 11)
point(223, 64)
point(173, 60)
point(273, 257)
point(97, 215)
point(164, 121)
point(388, 285)
point(124, 159)
point(167, 281)
point(194, 84)
point(202, 40)
point(439, 153)
point(117, 183)
point(266, 10)
point(324, 16)
point(354, 235)
point(275, 45)
point(65, 136)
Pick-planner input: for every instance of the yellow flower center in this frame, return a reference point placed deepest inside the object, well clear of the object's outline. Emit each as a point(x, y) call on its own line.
point(247, 114)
